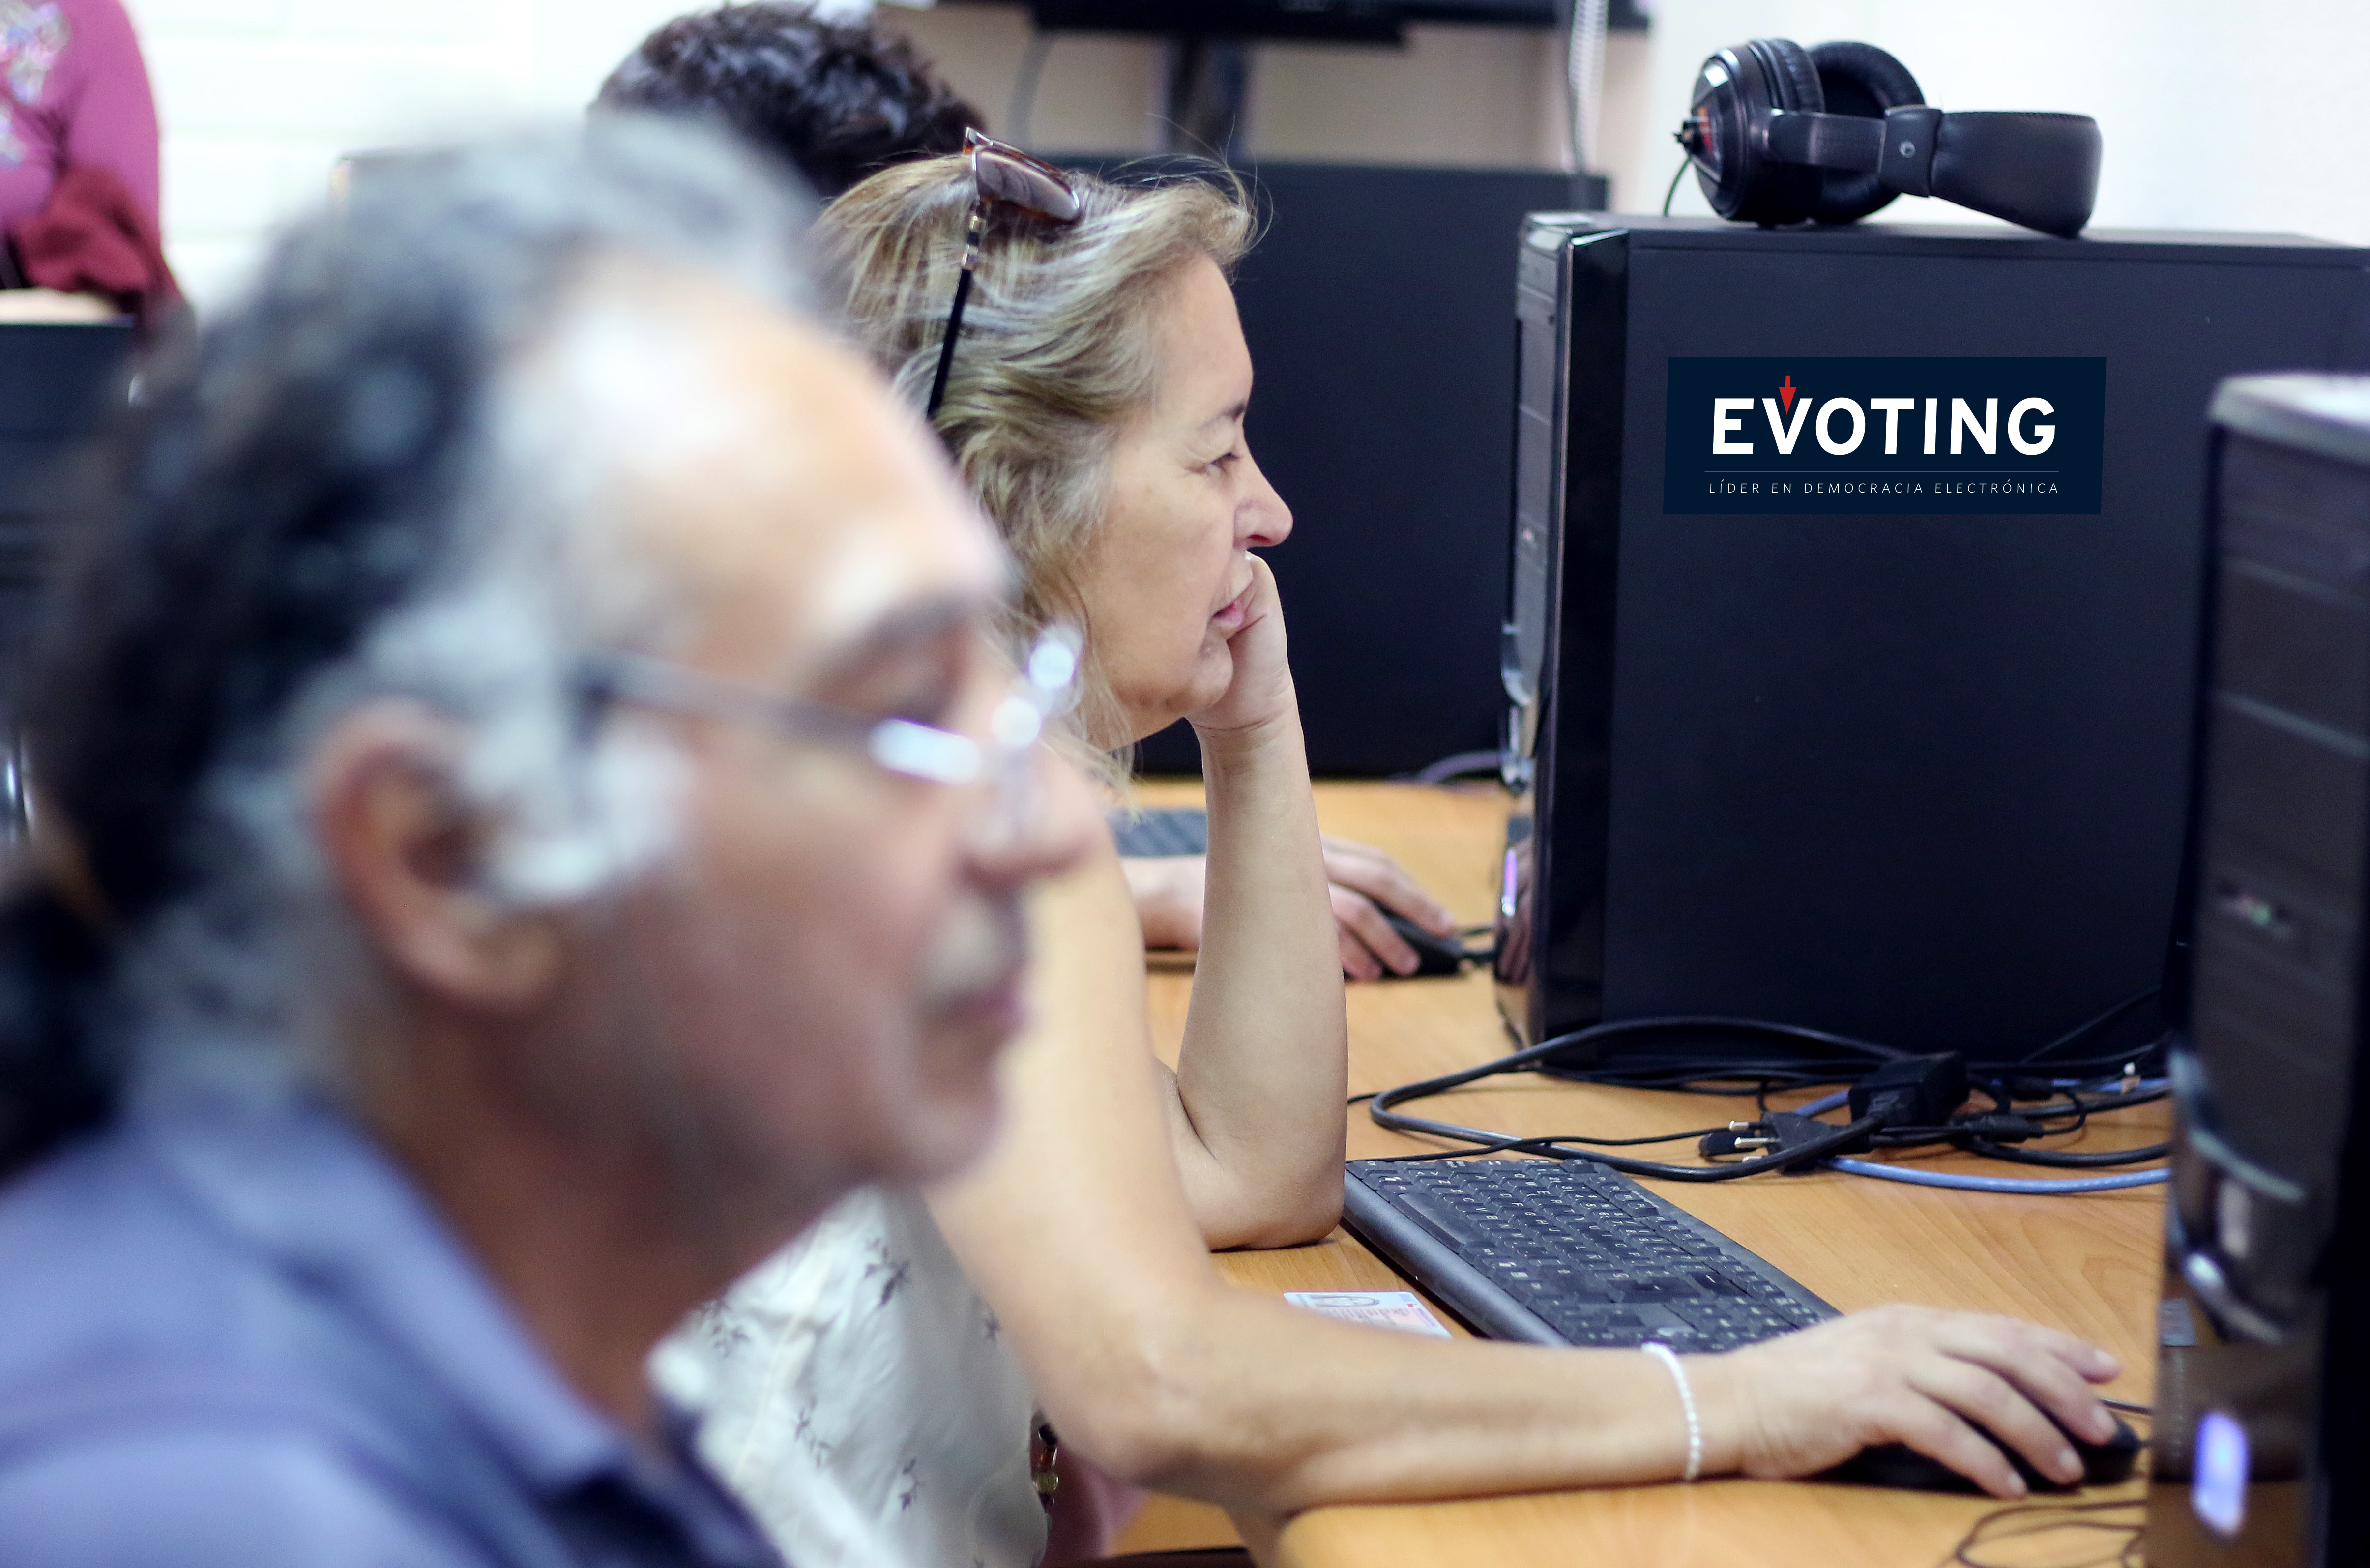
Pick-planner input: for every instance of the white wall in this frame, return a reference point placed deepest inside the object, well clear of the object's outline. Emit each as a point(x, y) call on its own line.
point(258, 97)
point(2217, 113)
point(2227, 114)
point(1468, 96)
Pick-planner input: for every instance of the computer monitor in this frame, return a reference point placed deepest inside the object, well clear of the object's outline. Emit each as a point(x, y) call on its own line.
point(2259, 1440)
point(60, 382)
point(1840, 692)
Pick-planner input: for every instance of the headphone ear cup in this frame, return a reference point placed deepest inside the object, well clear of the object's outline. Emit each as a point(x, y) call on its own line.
point(1861, 80)
point(1784, 193)
point(1797, 75)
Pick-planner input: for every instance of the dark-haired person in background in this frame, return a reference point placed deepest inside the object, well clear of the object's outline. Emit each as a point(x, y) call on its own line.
point(515, 848)
point(840, 100)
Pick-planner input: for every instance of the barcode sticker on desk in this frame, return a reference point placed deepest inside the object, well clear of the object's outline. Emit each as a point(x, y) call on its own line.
point(1382, 1309)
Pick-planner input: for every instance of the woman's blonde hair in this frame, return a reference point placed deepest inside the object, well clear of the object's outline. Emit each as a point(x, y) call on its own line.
point(1057, 352)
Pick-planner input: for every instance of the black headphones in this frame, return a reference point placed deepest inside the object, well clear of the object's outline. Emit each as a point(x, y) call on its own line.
point(1779, 134)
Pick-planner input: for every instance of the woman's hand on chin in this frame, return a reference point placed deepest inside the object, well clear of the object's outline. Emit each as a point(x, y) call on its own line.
point(1260, 695)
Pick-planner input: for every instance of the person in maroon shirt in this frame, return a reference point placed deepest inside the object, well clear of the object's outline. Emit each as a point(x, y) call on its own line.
point(73, 93)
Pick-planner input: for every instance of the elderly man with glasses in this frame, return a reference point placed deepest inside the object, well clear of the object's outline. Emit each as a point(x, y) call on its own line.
point(530, 814)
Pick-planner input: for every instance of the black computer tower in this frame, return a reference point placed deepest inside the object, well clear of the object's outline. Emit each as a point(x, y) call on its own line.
point(1873, 718)
point(2258, 1441)
point(61, 386)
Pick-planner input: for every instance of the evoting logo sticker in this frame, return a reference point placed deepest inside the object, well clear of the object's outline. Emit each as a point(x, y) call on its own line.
point(1835, 435)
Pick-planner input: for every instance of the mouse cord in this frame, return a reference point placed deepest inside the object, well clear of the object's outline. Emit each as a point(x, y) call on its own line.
point(2121, 1522)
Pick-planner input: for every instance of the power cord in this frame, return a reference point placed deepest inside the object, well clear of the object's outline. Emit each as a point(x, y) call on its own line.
point(1831, 1057)
point(1996, 1132)
point(1897, 1101)
point(1548, 1144)
point(2092, 1025)
point(1958, 1133)
point(1784, 1159)
point(1816, 1146)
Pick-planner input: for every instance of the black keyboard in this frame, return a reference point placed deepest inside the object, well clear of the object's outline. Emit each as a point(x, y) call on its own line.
point(1179, 830)
point(1564, 1252)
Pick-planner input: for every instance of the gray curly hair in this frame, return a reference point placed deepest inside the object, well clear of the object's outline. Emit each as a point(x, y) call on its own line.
point(1059, 350)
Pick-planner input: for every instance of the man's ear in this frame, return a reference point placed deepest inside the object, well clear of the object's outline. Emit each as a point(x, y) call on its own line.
point(406, 850)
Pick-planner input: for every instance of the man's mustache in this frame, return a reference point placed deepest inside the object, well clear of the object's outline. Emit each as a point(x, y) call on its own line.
point(982, 943)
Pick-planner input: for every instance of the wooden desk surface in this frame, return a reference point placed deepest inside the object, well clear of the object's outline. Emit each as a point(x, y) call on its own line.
point(2089, 1264)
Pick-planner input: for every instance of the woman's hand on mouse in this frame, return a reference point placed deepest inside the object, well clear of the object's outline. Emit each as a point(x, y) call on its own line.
point(1366, 882)
point(1167, 892)
point(1943, 1383)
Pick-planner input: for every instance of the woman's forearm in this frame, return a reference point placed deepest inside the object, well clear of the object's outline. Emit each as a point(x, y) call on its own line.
point(1257, 1119)
point(1267, 1410)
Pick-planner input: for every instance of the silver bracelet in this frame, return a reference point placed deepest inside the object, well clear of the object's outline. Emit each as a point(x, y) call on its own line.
point(1670, 1358)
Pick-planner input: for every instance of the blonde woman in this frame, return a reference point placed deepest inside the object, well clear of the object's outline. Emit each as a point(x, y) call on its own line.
point(869, 1405)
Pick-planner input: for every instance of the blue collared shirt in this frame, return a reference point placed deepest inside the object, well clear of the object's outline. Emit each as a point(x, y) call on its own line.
point(232, 1335)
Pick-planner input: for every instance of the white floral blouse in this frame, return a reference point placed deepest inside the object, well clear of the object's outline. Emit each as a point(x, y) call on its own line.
point(858, 1395)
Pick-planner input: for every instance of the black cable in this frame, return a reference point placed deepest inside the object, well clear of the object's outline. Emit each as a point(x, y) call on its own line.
point(1731, 1076)
point(1975, 1136)
point(1702, 1024)
point(2023, 1519)
point(1490, 1143)
point(2088, 1066)
point(2067, 1158)
point(1549, 1143)
point(1804, 1153)
point(1530, 1056)
point(1503, 1146)
point(1724, 1078)
point(2146, 994)
point(1793, 1072)
point(2120, 1101)
point(1631, 1142)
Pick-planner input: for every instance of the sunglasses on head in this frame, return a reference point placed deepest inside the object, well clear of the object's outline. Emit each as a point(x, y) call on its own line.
point(1009, 177)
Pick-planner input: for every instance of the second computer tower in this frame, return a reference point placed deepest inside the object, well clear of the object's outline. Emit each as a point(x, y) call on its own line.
point(1854, 585)
point(2258, 1445)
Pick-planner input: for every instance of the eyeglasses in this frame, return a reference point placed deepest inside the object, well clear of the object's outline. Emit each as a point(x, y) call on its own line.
point(1002, 176)
point(1045, 688)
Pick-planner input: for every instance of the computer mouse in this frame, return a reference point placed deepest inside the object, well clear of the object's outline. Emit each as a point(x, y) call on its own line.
point(1434, 955)
point(1892, 1464)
